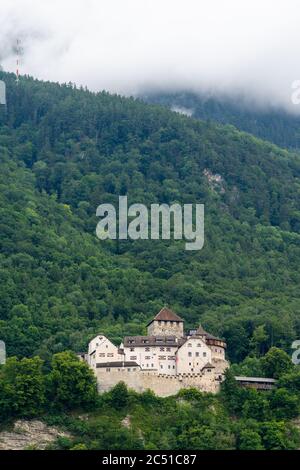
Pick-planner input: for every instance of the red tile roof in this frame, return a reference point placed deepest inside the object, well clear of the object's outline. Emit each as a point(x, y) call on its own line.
point(166, 314)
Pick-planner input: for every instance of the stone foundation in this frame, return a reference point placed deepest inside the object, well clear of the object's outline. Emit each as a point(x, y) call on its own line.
point(161, 385)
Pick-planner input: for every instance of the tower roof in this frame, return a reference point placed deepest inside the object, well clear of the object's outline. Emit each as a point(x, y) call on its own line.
point(165, 314)
point(201, 332)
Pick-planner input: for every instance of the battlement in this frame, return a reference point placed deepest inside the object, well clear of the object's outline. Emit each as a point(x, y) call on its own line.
point(165, 361)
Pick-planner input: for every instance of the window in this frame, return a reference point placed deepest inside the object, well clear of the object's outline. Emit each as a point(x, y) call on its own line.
point(169, 367)
point(161, 349)
point(110, 354)
point(108, 369)
point(161, 358)
point(168, 349)
point(147, 357)
point(145, 341)
point(190, 363)
point(190, 354)
point(171, 358)
point(101, 354)
point(204, 354)
point(189, 345)
point(133, 358)
point(131, 341)
point(152, 365)
point(161, 366)
point(131, 349)
point(199, 345)
point(147, 349)
point(197, 354)
point(128, 370)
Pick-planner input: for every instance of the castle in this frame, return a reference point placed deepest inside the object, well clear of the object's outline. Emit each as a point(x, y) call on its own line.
point(164, 361)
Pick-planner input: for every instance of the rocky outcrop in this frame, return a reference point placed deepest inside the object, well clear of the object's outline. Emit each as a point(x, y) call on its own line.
point(29, 434)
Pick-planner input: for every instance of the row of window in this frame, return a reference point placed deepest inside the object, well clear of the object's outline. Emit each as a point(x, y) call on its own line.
point(157, 340)
point(197, 354)
point(148, 349)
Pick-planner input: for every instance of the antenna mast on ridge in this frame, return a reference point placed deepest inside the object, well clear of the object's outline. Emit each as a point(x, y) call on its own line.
point(18, 59)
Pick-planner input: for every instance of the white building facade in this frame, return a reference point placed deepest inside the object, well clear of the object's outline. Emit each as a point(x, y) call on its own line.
point(147, 361)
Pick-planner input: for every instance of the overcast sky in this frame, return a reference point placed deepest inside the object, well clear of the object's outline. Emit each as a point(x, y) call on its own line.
point(125, 46)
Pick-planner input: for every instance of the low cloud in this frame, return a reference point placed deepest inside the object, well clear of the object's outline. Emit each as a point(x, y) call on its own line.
point(247, 48)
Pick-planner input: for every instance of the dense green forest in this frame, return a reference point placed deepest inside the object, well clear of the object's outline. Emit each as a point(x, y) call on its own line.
point(64, 151)
point(266, 122)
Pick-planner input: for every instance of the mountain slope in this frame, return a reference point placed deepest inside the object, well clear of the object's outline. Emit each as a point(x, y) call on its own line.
point(270, 123)
point(65, 151)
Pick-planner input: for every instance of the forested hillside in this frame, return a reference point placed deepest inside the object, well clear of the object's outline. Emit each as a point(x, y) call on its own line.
point(64, 151)
point(266, 122)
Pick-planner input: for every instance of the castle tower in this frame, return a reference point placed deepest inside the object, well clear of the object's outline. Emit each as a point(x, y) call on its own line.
point(166, 323)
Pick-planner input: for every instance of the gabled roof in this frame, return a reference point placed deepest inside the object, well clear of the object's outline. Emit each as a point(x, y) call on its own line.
point(255, 379)
point(201, 332)
point(165, 314)
point(208, 366)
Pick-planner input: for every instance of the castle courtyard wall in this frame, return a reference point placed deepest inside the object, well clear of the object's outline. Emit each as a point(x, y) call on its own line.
point(161, 385)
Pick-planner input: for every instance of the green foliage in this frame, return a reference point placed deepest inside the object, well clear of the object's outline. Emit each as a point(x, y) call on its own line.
point(285, 404)
point(275, 436)
point(276, 363)
point(232, 395)
point(22, 387)
point(250, 440)
point(63, 151)
point(236, 418)
point(256, 406)
point(119, 396)
point(274, 125)
point(71, 383)
point(291, 380)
